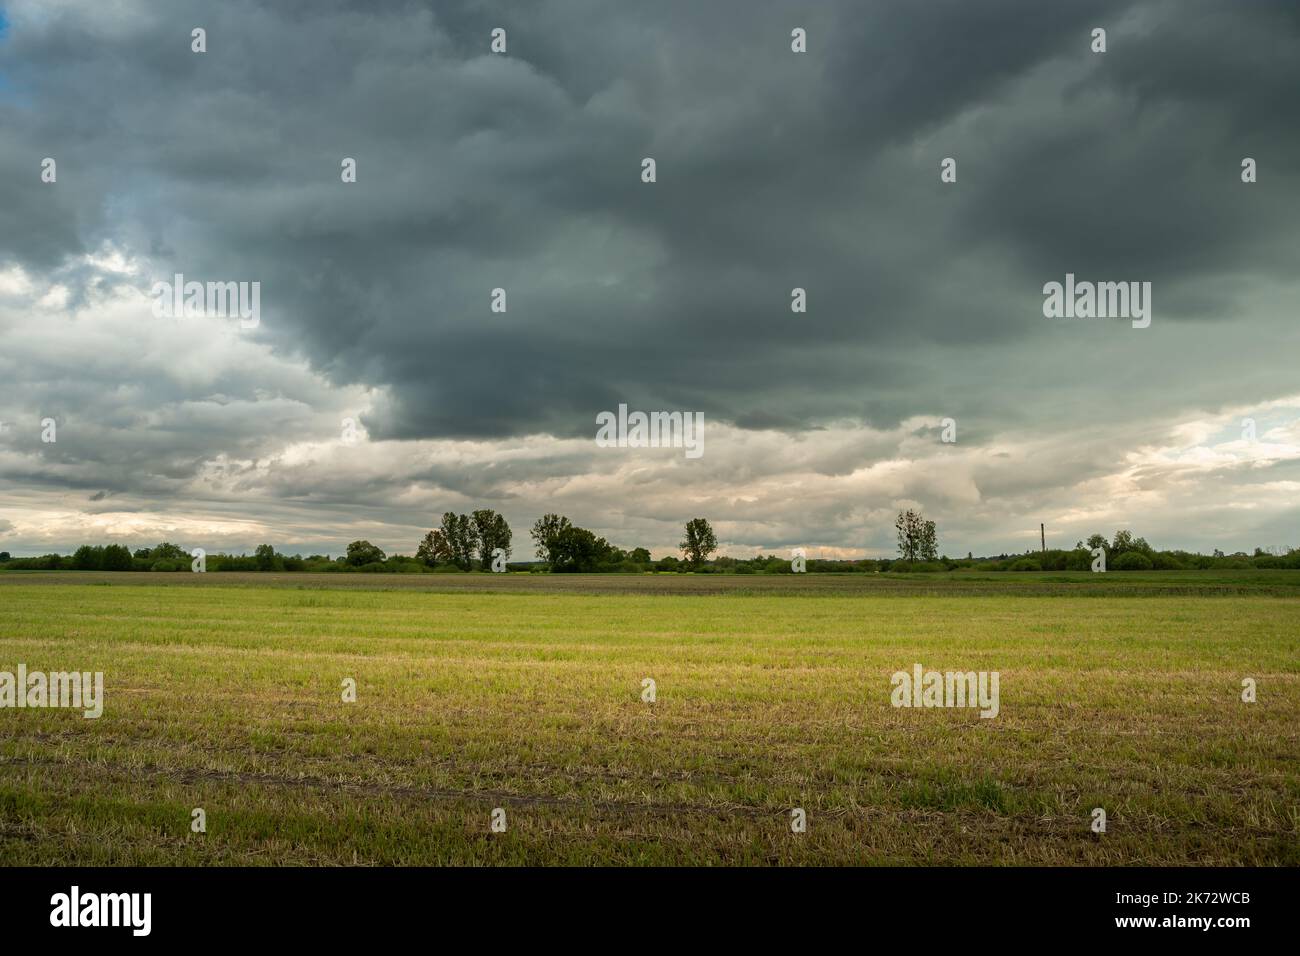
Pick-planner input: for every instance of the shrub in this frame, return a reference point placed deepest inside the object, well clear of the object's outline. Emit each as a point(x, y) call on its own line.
point(231, 562)
point(1079, 559)
point(88, 558)
point(910, 566)
point(117, 557)
point(1025, 564)
point(1132, 561)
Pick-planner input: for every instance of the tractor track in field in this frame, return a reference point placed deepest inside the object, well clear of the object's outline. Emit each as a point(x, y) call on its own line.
point(935, 584)
point(358, 788)
point(189, 776)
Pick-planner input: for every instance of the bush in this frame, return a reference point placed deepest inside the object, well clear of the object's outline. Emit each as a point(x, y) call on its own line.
point(1079, 559)
point(361, 553)
point(117, 557)
point(88, 558)
point(400, 565)
point(231, 562)
point(1025, 564)
point(910, 566)
point(1132, 561)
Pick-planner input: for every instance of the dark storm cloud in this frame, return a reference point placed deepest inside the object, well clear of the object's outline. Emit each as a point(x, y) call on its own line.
point(775, 171)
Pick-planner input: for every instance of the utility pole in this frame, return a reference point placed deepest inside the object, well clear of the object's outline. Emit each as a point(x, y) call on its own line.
point(1042, 536)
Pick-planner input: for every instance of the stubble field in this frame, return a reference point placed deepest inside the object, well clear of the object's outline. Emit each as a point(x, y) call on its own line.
point(224, 692)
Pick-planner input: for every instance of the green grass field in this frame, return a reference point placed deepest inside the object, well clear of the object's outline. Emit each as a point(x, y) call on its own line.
point(525, 693)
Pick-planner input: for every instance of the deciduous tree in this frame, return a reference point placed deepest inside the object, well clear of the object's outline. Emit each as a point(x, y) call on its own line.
point(491, 532)
point(699, 543)
point(458, 530)
point(545, 532)
point(363, 552)
point(434, 549)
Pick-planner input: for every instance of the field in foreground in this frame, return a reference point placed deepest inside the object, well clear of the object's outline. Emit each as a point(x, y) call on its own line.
point(227, 696)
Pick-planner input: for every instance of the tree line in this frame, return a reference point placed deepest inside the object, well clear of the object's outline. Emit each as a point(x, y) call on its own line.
point(482, 541)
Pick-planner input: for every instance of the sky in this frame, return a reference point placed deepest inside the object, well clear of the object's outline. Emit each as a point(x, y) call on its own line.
point(379, 387)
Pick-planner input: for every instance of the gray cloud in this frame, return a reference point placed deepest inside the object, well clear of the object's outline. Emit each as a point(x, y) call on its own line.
point(775, 170)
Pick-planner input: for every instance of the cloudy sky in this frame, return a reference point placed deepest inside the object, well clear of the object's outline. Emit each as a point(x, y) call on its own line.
point(523, 171)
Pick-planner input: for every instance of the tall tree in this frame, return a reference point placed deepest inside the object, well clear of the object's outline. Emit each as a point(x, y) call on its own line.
point(929, 544)
point(917, 538)
point(491, 532)
point(700, 541)
point(546, 530)
point(903, 531)
point(434, 548)
point(458, 530)
point(577, 549)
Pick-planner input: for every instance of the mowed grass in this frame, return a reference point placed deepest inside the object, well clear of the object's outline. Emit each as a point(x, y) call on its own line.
point(229, 698)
